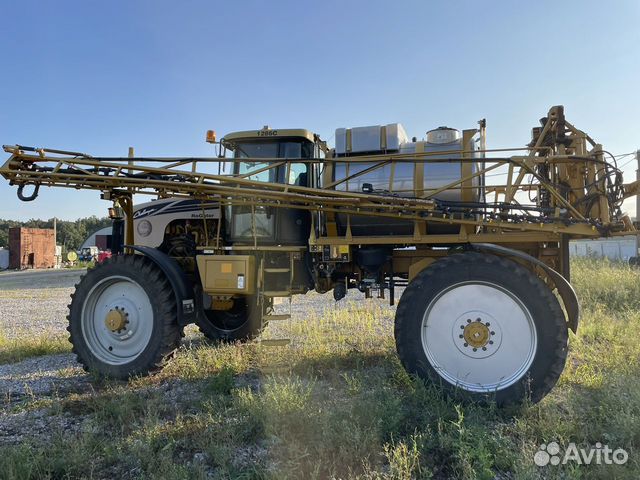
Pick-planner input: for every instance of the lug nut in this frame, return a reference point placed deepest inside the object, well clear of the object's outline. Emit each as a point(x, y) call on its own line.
point(484, 348)
point(492, 332)
point(475, 349)
point(466, 344)
point(461, 336)
point(490, 342)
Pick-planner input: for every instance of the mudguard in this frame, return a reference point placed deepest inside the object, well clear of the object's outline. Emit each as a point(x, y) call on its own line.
point(180, 284)
point(565, 290)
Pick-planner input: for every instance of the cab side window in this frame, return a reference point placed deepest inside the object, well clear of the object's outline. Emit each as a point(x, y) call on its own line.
point(298, 175)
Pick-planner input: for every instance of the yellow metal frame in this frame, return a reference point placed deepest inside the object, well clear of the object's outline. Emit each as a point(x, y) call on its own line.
point(579, 169)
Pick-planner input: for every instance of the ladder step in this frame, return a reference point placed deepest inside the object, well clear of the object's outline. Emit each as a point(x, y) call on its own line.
point(272, 318)
point(277, 293)
point(277, 270)
point(275, 342)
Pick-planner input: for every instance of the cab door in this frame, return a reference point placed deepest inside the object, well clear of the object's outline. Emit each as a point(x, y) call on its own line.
point(243, 221)
point(272, 226)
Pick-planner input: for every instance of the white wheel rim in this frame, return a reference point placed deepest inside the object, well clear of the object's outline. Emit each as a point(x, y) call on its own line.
point(504, 350)
point(119, 294)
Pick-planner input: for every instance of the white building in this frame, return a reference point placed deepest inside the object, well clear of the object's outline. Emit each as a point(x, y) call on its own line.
point(617, 248)
point(4, 258)
point(91, 239)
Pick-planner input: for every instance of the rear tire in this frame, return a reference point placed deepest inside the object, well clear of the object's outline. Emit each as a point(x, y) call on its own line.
point(242, 323)
point(484, 326)
point(122, 318)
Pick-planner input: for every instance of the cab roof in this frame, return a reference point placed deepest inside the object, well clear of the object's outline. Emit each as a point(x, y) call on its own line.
point(269, 133)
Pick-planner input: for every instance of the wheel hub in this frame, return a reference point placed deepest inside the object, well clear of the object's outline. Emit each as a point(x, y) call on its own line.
point(476, 334)
point(116, 319)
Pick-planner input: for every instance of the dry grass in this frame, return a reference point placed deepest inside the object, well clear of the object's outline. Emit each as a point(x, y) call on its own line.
point(21, 346)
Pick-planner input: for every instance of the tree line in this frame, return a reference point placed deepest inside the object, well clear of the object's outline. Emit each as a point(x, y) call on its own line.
point(70, 235)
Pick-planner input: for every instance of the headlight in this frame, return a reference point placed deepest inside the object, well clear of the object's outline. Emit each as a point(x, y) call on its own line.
point(144, 228)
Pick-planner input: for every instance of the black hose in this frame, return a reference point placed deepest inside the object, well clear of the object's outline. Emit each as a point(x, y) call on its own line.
point(31, 197)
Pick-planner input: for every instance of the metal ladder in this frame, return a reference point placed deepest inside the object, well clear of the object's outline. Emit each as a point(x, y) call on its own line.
point(266, 295)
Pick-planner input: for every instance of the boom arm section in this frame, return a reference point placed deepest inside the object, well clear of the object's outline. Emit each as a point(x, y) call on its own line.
point(575, 191)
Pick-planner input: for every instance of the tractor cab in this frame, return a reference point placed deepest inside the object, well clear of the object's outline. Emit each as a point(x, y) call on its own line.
point(271, 226)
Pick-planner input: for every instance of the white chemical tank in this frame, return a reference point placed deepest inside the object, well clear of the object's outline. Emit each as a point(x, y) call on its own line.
point(443, 135)
point(399, 178)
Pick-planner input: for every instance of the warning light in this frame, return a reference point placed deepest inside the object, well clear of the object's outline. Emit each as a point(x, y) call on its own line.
point(116, 213)
point(211, 136)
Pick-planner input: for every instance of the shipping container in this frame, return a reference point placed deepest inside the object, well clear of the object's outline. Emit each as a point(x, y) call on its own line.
point(31, 248)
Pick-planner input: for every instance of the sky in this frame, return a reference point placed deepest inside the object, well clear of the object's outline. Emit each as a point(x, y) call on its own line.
point(98, 77)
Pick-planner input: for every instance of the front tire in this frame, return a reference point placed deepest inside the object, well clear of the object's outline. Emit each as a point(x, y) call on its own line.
point(482, 325)
point(122, 318)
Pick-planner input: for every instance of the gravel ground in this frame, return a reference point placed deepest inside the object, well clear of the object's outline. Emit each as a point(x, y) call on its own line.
point(35, 303)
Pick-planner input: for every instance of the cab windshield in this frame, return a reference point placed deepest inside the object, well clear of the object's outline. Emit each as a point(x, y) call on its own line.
point(271, 150)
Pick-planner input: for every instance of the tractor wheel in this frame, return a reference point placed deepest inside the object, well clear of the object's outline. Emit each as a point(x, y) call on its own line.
point(243, 322)
point(484, 326)
point(122, 318)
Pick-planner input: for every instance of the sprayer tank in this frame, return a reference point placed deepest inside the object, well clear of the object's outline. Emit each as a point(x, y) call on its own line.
point(401, 178)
